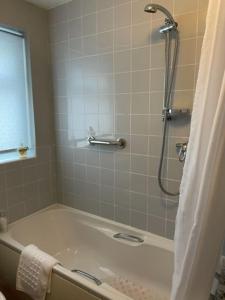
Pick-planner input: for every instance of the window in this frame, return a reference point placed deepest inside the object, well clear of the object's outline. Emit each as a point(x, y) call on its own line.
point(16, 102)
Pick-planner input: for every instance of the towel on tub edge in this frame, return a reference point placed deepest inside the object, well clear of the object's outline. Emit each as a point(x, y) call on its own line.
point(34, 272)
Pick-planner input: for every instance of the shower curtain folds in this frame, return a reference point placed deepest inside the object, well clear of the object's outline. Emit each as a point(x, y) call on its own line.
point(200, 223)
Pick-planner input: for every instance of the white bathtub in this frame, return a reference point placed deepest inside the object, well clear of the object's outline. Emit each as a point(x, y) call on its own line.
point(127, 269)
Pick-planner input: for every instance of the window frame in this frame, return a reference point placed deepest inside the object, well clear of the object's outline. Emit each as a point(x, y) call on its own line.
point(12, 155)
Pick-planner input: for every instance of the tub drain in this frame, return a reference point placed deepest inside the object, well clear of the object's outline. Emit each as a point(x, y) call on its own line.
point(134, 290)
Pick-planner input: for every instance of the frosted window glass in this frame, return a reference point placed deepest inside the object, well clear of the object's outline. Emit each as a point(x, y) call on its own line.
point(16, 114)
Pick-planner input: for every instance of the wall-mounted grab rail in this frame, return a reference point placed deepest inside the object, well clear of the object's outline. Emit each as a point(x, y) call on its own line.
point(128, 237)
point(119, 142)
point(87, 275)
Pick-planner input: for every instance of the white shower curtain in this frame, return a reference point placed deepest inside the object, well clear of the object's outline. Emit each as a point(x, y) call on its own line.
point(200, 223)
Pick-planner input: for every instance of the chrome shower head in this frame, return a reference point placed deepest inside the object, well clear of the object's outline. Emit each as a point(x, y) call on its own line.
point(169, 21)
point(149, 8)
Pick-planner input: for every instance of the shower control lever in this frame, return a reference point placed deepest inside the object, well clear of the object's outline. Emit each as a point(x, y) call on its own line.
point(181, 149)
point(175, 113)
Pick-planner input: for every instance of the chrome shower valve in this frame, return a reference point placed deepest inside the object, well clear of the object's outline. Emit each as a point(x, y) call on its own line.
point(181, 149)
point(175, 113)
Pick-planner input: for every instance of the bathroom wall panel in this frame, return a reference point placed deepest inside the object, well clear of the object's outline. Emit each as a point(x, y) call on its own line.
point(29, 185)
point(113, 86)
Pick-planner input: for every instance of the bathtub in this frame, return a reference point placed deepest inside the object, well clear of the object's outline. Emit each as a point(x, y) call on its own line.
point(100, 259)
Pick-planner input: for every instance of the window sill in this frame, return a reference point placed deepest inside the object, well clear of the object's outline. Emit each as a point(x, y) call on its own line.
point(14, 156)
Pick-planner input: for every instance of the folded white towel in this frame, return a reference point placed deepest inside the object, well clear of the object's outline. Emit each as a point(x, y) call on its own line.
point(34, 272)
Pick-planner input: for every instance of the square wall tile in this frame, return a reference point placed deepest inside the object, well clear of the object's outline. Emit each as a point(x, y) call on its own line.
point(123, 15)
point(141, 58)
point(138, 220)
point(107, 211)
point(171, 209)
point(122, 215)
point(122, 162)
point(122, 83)
point(139, 164)
point(58, 14)
point(139, 183)
point(138, 202)
point(141, 35)
point(104, 4)
point(185, 78)
point(122, 198)
point(107, 159)
point(59, 32)
point(139, 124)
point(107, 177)
point(156, 225)
point(155, 125)
point(187, 24)
point(123, 61)
point(157, 206)
point(123, 124)
point(123, 103)
point(122, 38)
point(88, 6)
point(157, 80)
point(139, 144)
point(105, 41)
point(156, 102)
point(203, 4)
point(105, 20)
point(89, 24)
point(74, 9)
point(140, 81)
point(157, 56)
point(182, 7)
point(140, 103)
point(170, 229)
point(75, 28)
point(138, 14)
point(107, 194)
point(123, 180)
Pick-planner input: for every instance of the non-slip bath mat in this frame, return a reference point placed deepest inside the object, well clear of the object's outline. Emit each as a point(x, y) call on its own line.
point(134, 290)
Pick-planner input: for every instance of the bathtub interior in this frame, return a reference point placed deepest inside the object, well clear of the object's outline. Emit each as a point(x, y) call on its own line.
point(80, 241)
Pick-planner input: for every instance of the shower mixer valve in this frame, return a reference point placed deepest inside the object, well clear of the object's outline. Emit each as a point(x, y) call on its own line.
point(175, 113)
point(181, 149)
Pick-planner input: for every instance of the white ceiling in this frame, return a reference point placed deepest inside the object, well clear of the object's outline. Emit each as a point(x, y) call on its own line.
point(48, 4)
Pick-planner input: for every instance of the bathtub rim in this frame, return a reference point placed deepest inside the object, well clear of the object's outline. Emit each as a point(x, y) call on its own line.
point(149, 238)
point(98, 291)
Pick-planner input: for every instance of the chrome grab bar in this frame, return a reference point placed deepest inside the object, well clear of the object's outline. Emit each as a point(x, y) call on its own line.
point(119, 142)
point(87, 275)
point(128, 237)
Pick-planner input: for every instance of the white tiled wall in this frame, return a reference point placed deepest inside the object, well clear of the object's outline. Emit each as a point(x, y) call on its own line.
point(108, 68)
point(28, 185)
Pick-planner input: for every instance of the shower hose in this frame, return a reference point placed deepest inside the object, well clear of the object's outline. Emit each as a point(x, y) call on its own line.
point(169, 80)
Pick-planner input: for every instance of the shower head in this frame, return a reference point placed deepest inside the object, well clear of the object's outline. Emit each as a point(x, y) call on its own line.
point(169, 21)
point(149, 8)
